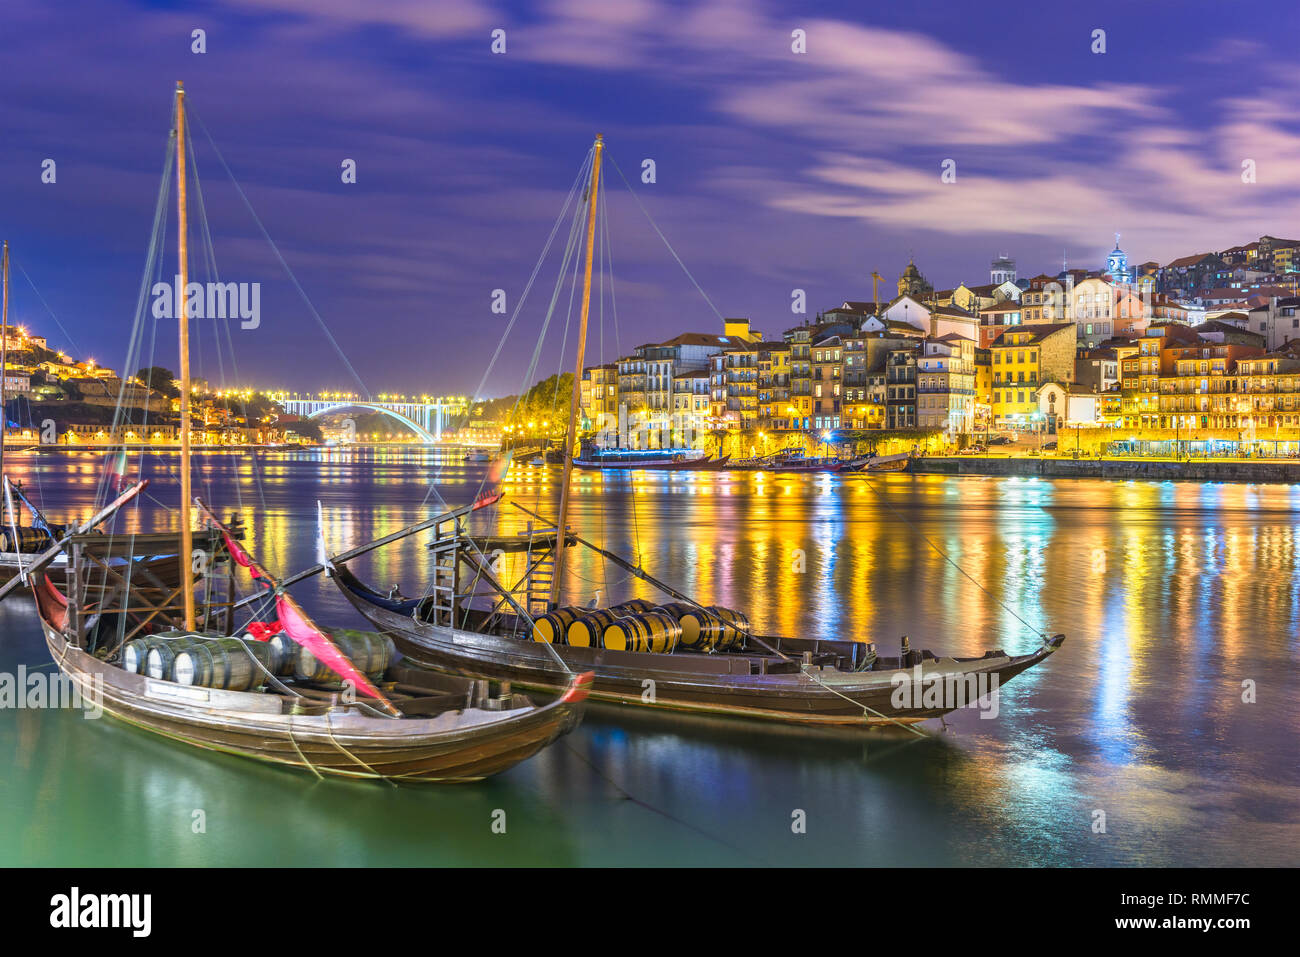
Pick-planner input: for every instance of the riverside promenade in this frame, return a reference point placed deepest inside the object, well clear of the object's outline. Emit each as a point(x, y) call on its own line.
point(1052, 466)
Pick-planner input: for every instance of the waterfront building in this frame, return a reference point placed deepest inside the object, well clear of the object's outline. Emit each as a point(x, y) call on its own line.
point(800, 340)
point(900, 388)
point(945, 385)
point(733, 386)
point(1023, 358)
point(1140, 373)
point(1199, 385)
point(1097, 369)
point(691, 402)
point(1269, 389)
point(1066, 405)
point(774, 387)
point(598, 398)
point(827, 368)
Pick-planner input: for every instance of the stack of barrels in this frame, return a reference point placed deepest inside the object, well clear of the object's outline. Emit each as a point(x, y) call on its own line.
point(639, 625)
point(233, 664)
point(241, 664)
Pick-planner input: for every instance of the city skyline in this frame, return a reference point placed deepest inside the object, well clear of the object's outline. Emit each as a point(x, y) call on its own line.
point(774, 171)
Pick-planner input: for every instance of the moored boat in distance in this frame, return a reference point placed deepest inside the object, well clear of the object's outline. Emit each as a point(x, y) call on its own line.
point(674, 460)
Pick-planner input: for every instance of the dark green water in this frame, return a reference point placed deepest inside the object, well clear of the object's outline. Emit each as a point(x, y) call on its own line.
point(1171, 594)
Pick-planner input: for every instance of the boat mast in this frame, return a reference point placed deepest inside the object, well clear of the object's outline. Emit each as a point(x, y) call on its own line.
point(187, 519)
point(570, 436)
point(4, 363)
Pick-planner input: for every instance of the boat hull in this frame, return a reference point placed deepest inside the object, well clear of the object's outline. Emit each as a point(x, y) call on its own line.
point(722, 684)
point(455, 746)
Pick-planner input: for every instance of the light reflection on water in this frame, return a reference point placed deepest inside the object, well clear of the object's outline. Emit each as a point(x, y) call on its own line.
point(1172, 594)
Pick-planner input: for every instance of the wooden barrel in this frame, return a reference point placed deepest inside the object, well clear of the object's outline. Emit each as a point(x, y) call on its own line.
point(652, 631)
point(194, 666)
point(285, 653)
point(27, 540)
point(713, 629)
point(677, 610)
point(588, 630)
point(553, 626)
point(228, 663)
point(368, 651)
point(134, 653)
point(161, 656)
point(635, 606)
point(732, 628)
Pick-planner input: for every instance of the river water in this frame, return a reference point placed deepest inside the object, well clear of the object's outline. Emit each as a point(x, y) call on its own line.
point(1131, 746)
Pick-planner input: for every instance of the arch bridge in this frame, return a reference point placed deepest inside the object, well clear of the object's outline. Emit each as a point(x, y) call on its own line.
point(426, 416)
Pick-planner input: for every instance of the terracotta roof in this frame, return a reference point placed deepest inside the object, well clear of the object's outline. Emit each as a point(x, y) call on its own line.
point(1190, 260)
point(695, 339)
point(1008, 306)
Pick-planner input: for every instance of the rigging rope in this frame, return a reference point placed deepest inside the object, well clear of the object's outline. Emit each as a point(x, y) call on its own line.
point(276, 249)
point(656, 228)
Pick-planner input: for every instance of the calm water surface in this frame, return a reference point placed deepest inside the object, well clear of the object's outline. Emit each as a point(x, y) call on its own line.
point(1172, 595)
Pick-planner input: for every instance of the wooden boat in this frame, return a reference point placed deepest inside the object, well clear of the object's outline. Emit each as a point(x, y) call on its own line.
point(677, 462)
point(447, 729)
point(334, 717)
point(882, 463)
point(790, 680)
point(669, 655)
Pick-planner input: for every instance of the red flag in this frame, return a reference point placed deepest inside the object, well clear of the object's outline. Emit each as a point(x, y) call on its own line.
point(297, 627)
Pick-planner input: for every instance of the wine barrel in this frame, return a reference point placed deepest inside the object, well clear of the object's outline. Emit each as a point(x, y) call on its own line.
point(285, 653)
point(652, 631)
point(134, 653)
point(27, 540)
point(195, 666)
point(228, 663)
point(369, 652)
point(161, 656)
point(553, 626)
point(588, 631)
point(713, 629)
point(634, 606)
point(677, 610)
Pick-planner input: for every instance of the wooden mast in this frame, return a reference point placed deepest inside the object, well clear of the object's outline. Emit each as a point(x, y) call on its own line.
point(4, 364)
point(570, 436)
point(187, 518)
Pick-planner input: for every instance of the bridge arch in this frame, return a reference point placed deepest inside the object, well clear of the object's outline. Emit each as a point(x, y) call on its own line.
point(425, 436)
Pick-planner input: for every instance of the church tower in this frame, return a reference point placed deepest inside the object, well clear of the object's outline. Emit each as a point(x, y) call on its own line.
point(912, 283)
point(1117, 264)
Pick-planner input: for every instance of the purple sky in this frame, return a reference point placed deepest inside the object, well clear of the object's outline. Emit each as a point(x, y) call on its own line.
point(775, 170)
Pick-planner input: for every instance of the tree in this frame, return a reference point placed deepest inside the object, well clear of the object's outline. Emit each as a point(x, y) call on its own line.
point(160, 380)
